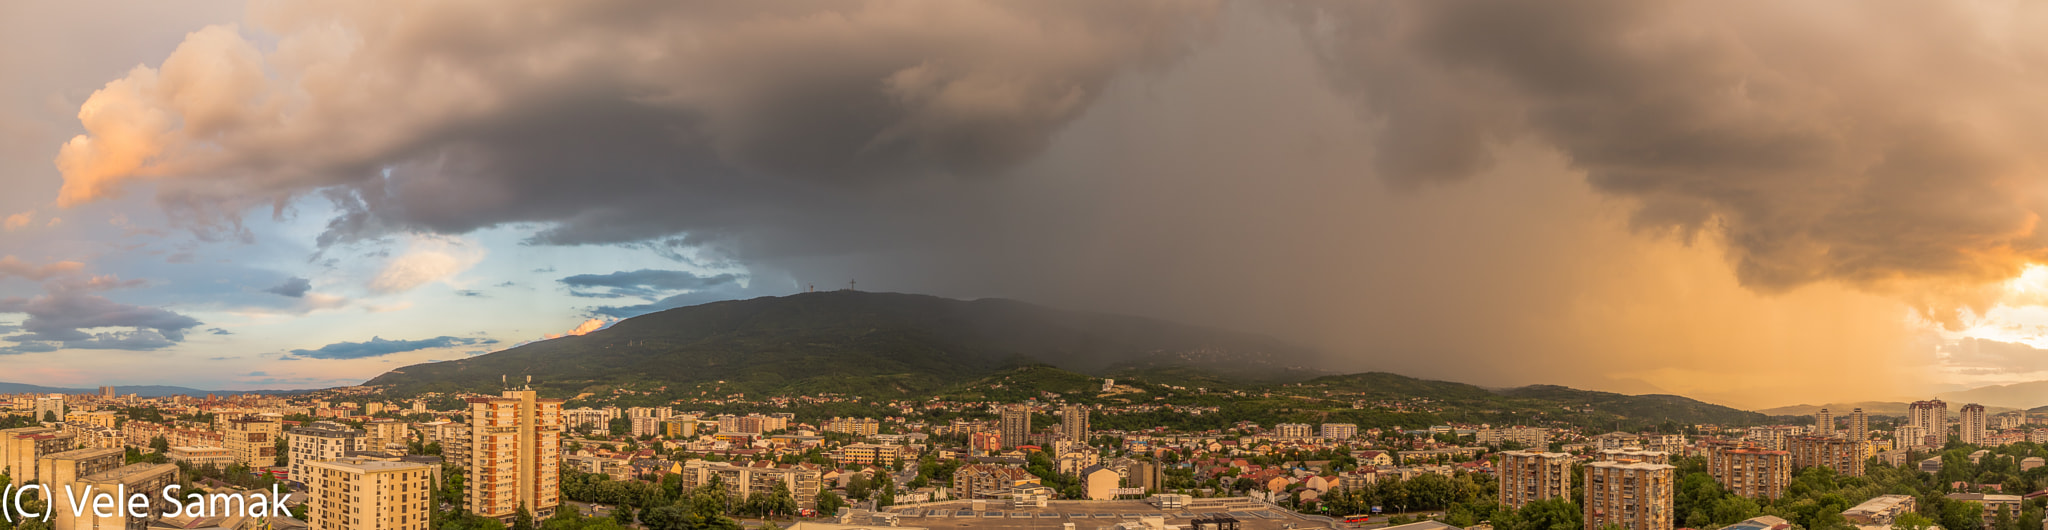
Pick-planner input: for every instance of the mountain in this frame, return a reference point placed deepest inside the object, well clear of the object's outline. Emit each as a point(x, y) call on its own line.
point(862, 343)
point(1674, 408)
point(148, 391)
point(1530, 405)
point(2017, 395)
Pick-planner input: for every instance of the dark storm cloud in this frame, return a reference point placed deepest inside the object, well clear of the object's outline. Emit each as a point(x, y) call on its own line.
point(1816, 154)
point(292, 288)
point(643, 283)
point(651, 120)
point(377, 347)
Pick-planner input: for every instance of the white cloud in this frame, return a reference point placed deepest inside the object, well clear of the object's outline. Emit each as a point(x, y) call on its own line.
point(427, 259)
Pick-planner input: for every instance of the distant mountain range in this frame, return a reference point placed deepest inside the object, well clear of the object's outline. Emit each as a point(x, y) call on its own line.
point(887, 345)
point(867, 344)
point(2017, 395)
point(148, 391)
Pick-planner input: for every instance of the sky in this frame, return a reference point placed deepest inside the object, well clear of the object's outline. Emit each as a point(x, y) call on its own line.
point(1754, 203)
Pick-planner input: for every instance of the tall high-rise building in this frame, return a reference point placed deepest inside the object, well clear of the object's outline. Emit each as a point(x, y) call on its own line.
point(1016, 425)
point(1630, 495)
point(1754, 473)
point(360, 494)
point(1529, 476)
point(1824, 423)
point(1971, 428)
point(1859, 426)
point(1930, 416)
point(1074, 423)
point(106, 392)
point(515, 454)
point(320, 441)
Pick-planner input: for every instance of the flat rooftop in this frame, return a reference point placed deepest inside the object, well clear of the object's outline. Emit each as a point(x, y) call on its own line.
point(1090, 515)
point(132, 471)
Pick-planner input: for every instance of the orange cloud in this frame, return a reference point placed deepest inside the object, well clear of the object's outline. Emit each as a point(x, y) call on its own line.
point(18, 221)
point(582, 329)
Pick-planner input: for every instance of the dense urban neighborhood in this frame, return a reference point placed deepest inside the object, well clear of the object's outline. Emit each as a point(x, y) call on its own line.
point(360, 458)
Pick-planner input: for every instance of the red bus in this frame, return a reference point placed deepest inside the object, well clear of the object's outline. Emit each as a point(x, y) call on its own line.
point(1357, 518)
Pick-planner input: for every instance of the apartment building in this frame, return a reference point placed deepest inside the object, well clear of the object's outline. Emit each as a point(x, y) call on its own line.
point(1843, 456)
point(989, 481)
point(1879, 511)
point(1016, 425)
point(1533, 476)
point(679, 427)
point(1340, 431)
point(658, 413)
point(1972, 426)
point(202, 456)
point(359, 494)
point(803, 480)
point(386, 434)
point(99, 418)
point(1632, 455)
point(1293, 430)
point(1527, 437)
point(1991, 503)
point(1138, 473)
point(1823, 423)
point(1753, 473)
point(252, 442)
point(50, 406)
point(1074, 423)
point(320, 441)
point(21, 449)
point(514, 455)
point(102, 470)
point(869, 454)
point(752, 423)
point(854, 426)
point(1931, 417)
point(595, 419)
point(1859, 427)
point(1630, 495)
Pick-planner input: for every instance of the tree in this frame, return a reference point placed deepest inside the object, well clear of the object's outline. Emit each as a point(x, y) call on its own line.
point(1912, 521)
point(49, 416)
point(283, 449)
point(829, 503)
point(621, 426)
point(160, 445)
point(522, 519)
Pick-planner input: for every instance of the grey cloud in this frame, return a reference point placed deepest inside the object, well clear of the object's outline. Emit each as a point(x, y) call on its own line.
point(661, 119)
point(219, 331)
point(70, 308)
point(1815, 157)
point(1985, 356)
point(378, 346)
point(292, 288)
point(643, 283)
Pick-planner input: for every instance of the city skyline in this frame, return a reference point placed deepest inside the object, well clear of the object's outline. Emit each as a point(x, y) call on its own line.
point(1757, 205)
